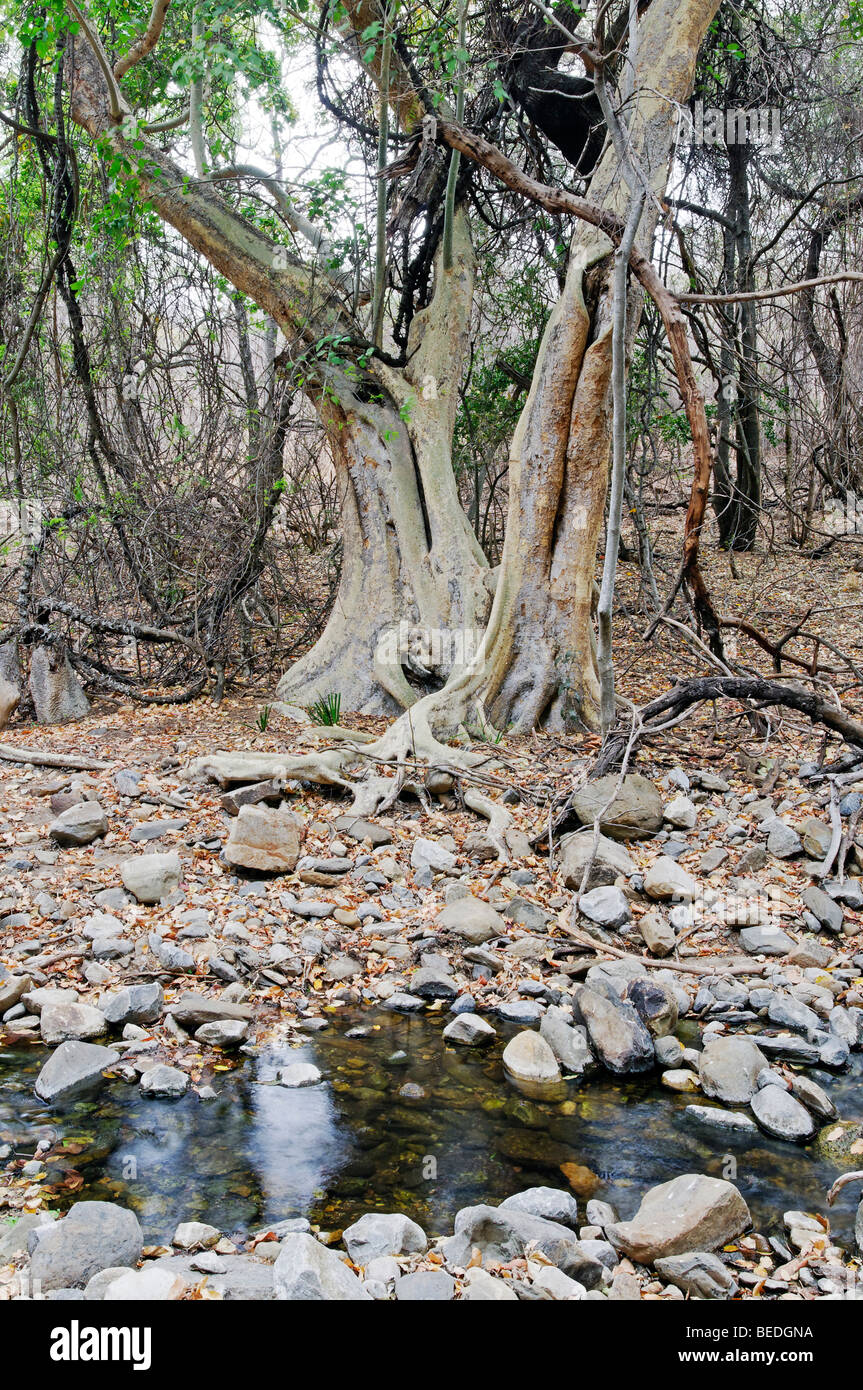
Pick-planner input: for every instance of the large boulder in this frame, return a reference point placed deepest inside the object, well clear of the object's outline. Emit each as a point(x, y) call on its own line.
point(79, 825)
point(471, 919)
point(635, 808)
point(610, 862)
point(617, 1035)
point(380, 1233)
point(265, 840)
point(729, 1069)
point(151, 877)
point(75, 1067)
point(691, 1212)
point(306, 1271)
point(91, 1237)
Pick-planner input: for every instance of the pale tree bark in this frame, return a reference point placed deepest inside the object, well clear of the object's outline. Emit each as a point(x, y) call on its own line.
point(411, 560)
point(537, 663)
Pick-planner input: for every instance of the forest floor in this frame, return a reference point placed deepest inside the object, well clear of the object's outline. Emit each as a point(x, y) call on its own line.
point(358, 919)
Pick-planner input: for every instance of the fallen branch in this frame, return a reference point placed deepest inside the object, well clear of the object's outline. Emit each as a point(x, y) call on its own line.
point(686, 967)
point(659, 713)
point(33, 755)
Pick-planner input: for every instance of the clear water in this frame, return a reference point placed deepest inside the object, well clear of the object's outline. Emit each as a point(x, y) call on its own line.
point(260, 1152)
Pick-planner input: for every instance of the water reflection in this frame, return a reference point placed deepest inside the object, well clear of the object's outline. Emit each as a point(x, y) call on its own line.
point(401, 1122)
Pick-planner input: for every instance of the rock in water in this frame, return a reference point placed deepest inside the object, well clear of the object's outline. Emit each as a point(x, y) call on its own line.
point(379, 1233)
point(79, 825)
point(307, 1271)
point(265, 840)
point(55, 690)
point(691, 1212)
point(91, 1237)
point(162, 1080)
point(151, 877)
point(567, 1041)
point(469, 1030)
point(610, 862)
point(73, 1068)
point(781, 1115)
point(729, 1069)
point(530, 1061)
point(635, 810)
point(617, 1034)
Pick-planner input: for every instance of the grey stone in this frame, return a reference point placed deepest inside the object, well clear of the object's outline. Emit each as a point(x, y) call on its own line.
point(227, 1033)
point(73, 1068)
point(655, 1003)
point(550, 1203)
point(606, 906)
point(728, 1069)
point(133, 1004)
point(471, 919)
point(299, 1074)
point(783, 841)
point(617, 1034)
point(151, 877)
point(528, 1058)
point(610, 862)
point(700, 1274)
point(827, 912)
point(691, 1212)
point(163, 1080)
point(667, 880)
point(765, 941)
point(469, 1030)
point(503, 1234)
point(307, 1271)
point(681, 813)
point(425, 1286)
point(428, 854)
point(433, 984)
point(91, 1237)
point(568, 1042)
point(378, 1233)
point(61, 1022)
point(79, 825)
point(264, 839)
point(781, 1115)
point(628, 811)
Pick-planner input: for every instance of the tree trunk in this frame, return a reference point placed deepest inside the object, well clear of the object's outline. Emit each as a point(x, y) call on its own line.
point(410, 558)
point(538, 662)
